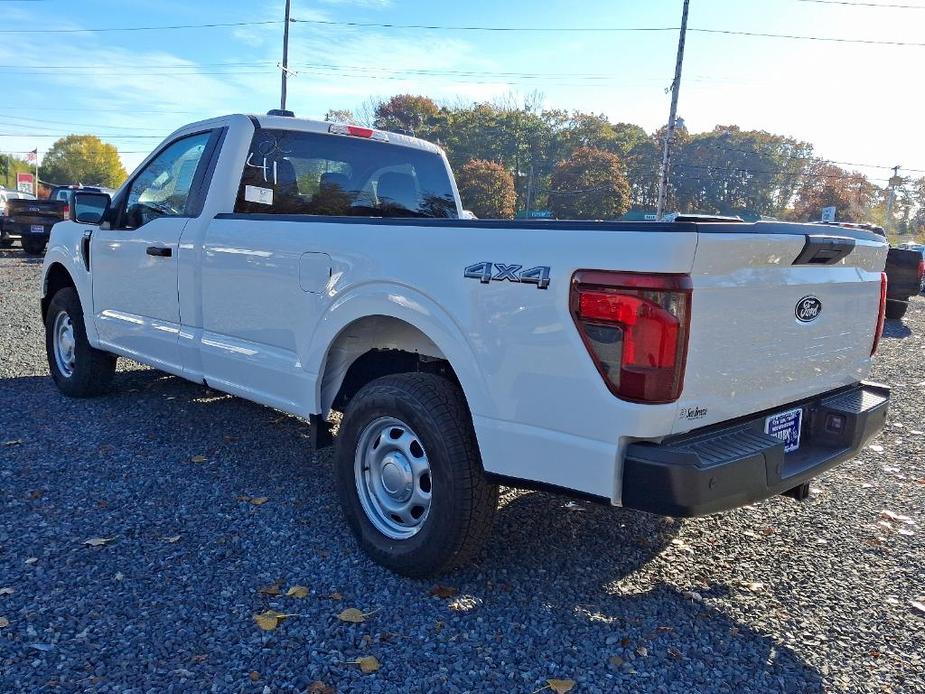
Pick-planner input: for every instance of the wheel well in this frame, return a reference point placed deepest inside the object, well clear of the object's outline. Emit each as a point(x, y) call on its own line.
point(373, 347)
point(56, 279)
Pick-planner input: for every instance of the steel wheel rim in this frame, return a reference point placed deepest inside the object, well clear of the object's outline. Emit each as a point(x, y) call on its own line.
point(393, 478)
point(65, 344)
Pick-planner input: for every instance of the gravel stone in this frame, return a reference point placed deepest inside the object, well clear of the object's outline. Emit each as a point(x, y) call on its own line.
point(556, 594)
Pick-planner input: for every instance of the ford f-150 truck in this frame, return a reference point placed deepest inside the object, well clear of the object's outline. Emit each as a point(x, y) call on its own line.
point(32, 220)
point(679, 368)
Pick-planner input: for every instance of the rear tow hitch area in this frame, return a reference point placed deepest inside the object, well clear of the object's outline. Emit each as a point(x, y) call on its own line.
point(800, 492)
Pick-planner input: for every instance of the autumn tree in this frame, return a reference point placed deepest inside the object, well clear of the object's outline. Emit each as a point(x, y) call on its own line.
point(589, 185)
point(406, 112)
point(10, 166)
point(487, 189)
point(83, 159)
point(827, 185)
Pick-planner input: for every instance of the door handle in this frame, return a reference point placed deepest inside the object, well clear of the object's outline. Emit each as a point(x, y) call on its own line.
point(160, 251)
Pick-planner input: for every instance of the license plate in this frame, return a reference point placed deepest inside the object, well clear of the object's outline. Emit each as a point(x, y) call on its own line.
point(786, 426)
point(37, 229)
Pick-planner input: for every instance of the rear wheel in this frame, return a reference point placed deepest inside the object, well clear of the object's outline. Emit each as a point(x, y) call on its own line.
point(78, 369)
point(33, 246)
point(896, 309)
point(409, 475)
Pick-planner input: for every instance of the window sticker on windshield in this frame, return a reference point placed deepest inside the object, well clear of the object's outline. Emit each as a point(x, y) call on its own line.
point(263, 196)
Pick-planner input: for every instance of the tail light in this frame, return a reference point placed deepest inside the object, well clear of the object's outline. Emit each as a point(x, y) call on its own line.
point(881, 315)
point(357, 131)
point(67, 212)
point(921, 269)
point(636, 330)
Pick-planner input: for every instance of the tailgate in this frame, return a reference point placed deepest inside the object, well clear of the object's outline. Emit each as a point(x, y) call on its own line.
point(774, 319)
point(46, 212)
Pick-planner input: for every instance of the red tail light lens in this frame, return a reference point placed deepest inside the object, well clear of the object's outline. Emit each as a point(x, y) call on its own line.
point(636, 329)
point(921, 269)
point(66, 212)
point(881, 316)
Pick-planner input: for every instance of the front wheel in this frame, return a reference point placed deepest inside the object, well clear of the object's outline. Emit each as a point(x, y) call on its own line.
point(79, 370)
point(409, 475)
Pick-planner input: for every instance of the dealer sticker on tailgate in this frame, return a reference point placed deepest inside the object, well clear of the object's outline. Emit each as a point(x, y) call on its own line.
point(786, 427)
point(37, 229)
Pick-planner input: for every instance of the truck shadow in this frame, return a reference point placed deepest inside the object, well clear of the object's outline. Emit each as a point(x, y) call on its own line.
point(895, 329)
point(555, 585)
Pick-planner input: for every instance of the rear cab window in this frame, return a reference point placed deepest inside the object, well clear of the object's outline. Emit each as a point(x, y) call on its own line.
point(293, 172)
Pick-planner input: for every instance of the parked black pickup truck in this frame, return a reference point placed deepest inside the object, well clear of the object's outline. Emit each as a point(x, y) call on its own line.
point(32, 220)
point(904, 272)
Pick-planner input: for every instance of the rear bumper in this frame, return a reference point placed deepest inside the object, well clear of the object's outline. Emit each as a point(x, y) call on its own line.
point(20, 229)
point(736, 463)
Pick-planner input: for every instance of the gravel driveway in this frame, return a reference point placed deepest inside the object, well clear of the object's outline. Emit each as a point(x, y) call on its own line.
point(778, 597)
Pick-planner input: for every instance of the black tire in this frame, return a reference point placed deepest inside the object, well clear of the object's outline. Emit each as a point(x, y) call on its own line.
point(93, 369)
point(896, 309)
point(33, 246)
point(463, 502)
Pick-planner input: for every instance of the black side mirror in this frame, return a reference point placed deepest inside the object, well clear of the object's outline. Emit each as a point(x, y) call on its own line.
point(90, 208)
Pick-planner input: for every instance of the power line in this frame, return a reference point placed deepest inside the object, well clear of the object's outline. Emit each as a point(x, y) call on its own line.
point(217, 25)
point(866, 4)
point(728, 32)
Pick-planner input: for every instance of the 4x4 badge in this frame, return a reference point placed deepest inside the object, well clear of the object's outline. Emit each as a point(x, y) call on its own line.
point(486, 272)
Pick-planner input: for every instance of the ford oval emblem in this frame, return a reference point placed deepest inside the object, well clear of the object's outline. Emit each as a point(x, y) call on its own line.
point(808, 309)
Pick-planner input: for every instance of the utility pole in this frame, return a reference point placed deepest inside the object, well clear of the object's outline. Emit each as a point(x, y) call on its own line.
point(285, 65)
point(894, 181)
point(672, 116)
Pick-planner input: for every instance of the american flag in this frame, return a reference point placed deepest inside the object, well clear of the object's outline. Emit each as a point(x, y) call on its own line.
point(32, 156)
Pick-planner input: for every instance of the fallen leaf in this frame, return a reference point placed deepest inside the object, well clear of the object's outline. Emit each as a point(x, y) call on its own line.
point(319, 687)
point(172, 539)
point(259, 500)
point(4, 622)
point(642, 651)
point(36, 494)
point(297, 592)
point(674, 653)
point(876, 448)
point(368, 664)
point(443, 591)
point(616, 660)
point(755, 586)
point(336, 596)
point(254, 675)
point(32, 560)
point(198, 459)
point(561, 686)
point(7, 591)
point(119, 576)
point(352, 615)
point(98, 541)
point(13, 442)
point(270, 619)
point(272, 590)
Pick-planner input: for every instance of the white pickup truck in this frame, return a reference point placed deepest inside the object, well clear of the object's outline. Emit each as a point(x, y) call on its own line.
point(678, 368)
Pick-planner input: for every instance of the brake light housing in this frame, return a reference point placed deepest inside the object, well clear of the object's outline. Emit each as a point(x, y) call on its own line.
point(357, 131)
point(881, 315)
point(636, 328)
point(66, 213)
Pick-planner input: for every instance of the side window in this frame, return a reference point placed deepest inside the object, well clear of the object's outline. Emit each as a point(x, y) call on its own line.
point(162, 188)
point(293, 172)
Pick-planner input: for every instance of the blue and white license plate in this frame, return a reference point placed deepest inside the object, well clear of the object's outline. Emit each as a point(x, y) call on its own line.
point(786, 426)
point(37, 229)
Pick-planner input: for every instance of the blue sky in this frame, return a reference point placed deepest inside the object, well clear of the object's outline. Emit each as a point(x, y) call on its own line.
point(855, 103)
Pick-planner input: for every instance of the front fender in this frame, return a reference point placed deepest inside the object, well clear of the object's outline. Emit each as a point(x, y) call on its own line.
point(416, 309)
point(64, 249)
